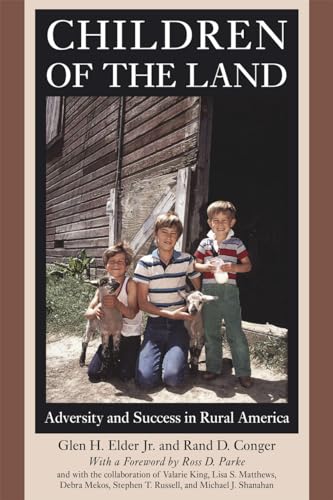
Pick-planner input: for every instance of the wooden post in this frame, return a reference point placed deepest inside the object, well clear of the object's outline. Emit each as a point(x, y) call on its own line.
point(111, 212)
point(182, 202)
point(200, 177)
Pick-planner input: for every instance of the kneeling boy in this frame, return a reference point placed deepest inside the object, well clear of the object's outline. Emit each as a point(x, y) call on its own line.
point(160, 276)
point(117, 260)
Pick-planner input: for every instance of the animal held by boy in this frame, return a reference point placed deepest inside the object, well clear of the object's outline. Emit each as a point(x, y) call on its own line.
point(195, 301)
point(109, 324)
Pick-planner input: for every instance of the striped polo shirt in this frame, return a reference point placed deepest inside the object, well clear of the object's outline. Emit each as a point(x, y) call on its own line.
point(165, 281)
point(232, 250)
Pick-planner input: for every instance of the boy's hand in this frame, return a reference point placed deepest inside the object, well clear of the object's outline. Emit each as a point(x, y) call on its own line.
point(95, 313)
point(180, 314)
point(99, 311)
point(228, 268)
point(208, 268)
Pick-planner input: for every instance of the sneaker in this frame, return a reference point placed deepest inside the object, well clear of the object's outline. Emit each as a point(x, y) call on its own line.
point(246, 382)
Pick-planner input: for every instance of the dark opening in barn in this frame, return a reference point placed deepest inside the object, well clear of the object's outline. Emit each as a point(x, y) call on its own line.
point(249, 166)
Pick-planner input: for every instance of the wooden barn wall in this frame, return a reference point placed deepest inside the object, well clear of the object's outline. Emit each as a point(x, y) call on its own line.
point(160, 136)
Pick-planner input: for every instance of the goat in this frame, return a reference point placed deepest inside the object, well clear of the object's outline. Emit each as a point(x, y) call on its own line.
point(109, 326)
point(194, 301)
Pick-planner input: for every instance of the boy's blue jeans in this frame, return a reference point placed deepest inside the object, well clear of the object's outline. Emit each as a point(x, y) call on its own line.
point(128, 355)
point(227, 307)
point(163, 355)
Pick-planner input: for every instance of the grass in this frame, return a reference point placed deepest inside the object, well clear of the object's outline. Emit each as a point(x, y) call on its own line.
point(66, 301)
point(267, 351)
point(271, 353)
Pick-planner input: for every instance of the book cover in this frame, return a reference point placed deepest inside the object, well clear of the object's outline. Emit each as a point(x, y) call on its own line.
point(193, 105)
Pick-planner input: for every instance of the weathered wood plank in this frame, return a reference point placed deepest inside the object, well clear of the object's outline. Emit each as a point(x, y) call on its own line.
point(266, 329)
point(71, 101)
point(103, 164)
point(61, 254)
point(78, 195)
point(99, 193)
point(78, 104)
point(157, 134)
point(93, 203)
point(105, 135)
point(58, 253)
point(78, 226)
point(63, 205)
point(86, 129)
point(73, 165)
point(140, 109)
point(85, 135)
point(68, 130)
point(50, 230)
point(83, 110)
point(156, 116)
point(84, 234)
point(55, 220)
point(134, 102)
point(145, 231)
point(88, 205)
point(181, 205)
point(158, 158)
point(96, 242)
point(164, 143)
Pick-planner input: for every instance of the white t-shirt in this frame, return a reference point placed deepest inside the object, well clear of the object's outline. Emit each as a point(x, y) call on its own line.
point(130, 327)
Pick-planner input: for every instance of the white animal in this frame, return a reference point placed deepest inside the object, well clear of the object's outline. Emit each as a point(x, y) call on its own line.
point(109, 325)
point(194, 301)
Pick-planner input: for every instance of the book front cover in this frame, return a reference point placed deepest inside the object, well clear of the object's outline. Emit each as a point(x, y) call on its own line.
point(130, 114)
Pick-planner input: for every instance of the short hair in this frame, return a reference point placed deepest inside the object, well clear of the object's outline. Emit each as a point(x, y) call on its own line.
point(169, 219)
point(221, 206)
point(120, 247)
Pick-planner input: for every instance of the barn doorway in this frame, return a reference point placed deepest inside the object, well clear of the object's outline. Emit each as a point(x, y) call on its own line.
point(250, 158)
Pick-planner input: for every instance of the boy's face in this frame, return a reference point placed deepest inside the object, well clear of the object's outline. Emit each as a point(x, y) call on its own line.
point(117, 266)
point(221, 223)
point(166, 238)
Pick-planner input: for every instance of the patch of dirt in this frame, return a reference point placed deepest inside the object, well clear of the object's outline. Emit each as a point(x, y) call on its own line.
point(67, 382)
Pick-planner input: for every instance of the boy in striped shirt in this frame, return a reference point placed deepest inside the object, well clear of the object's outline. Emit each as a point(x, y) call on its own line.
point(160, 277)
point(222, 243)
